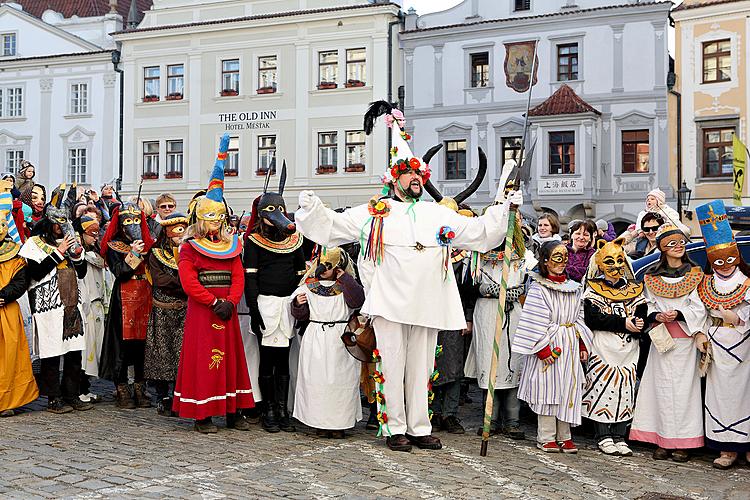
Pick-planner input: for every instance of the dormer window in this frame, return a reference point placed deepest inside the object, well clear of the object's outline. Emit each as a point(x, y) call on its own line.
point(9, 44)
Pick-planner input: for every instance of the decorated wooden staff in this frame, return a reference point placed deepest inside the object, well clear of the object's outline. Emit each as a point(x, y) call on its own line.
point(508, 250)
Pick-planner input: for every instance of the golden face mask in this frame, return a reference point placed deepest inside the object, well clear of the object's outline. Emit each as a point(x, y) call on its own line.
point(610, 259)
point(3, 224)
point(559, 255)
point(210, 210)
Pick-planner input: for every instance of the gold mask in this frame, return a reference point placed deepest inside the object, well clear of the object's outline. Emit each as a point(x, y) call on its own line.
point(3, 224)
point(611, 259)
point(559, 255)
point(207, 209)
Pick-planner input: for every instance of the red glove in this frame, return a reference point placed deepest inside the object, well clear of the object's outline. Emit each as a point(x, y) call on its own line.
point(544, 353)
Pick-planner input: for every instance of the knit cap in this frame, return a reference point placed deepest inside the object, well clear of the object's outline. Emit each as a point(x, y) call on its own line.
point(602, 225)
point(657, 193)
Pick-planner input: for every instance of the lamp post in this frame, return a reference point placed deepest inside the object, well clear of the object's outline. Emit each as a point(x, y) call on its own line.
point(683, 200)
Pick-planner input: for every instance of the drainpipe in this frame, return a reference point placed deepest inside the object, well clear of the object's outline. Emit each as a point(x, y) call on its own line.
point(116, 64)
point(391, 24)
point(679, 149)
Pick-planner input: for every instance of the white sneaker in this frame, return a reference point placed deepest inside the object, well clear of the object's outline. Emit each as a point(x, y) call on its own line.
point(607, 446)
point(624, 449)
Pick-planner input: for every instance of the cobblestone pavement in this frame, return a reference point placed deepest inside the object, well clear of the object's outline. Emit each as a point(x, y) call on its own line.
point(111, 453)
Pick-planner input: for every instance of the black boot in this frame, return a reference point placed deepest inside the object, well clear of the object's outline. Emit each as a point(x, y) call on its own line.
point(268, 393)
point(282, 396)
point(142, 399)
point(372, 420)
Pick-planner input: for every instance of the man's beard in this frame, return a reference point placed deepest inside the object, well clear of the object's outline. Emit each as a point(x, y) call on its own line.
point(414, 190)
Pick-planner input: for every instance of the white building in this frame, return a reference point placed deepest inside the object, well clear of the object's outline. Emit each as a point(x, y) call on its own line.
point(59, 93)
point(289, 79)
point(601, 144)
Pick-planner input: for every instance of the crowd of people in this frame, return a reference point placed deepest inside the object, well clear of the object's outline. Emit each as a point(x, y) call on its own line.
point(277, 317)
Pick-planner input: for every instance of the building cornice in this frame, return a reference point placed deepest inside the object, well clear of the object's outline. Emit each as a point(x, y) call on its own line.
point(716, 9)
point(260, 20)
point(55, 59)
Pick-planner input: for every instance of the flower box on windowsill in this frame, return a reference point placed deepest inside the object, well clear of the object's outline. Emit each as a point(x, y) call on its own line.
point(174, 97)
point(150, 175)
point(230, 173)
point(151, 98)
point(227, 93)
point(267, 90)
point(355, 167)
point(327, 85)
point(327, 169)
point(354, 83)
point(173, 175)
point(262, 173)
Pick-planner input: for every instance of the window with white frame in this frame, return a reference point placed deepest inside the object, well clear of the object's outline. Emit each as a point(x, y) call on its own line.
point(355, 151)
point(151, 78)
point(9, 44)
point(11, 102)
point(266, 154)
point(151, 160)
point(230, 77)
point(356, 67)
point(13, 159)
point(267, 74)
point(328, 68)
point(77, 164)
point(174, 159)
point(327, 152)
point(232, 165)
point(455, 159)
point(175, 81)
point(79, 98)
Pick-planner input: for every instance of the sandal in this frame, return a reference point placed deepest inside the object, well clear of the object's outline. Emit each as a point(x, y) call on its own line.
point(725, 460)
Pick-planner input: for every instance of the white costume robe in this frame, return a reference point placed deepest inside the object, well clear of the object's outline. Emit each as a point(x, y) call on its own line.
point(552, 317)
point(485, 315)
point(250, 344)
point(92, 288)
point(408, 296)
point(727, 406)
point(668, 405)
point(327, 392)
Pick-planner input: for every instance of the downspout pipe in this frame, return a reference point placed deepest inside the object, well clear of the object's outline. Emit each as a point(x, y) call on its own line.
point(399, 21)
point(679, 149)
point(116, 63)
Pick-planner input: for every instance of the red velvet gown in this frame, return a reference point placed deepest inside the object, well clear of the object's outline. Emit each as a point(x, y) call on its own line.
point(212, 377)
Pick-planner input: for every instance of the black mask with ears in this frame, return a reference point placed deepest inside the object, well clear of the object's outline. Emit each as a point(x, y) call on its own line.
point(130, 221)
point(271, 206)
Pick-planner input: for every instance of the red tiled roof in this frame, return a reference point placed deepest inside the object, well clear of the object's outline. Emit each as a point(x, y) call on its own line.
point(82, 8)
point(563, 102)
point(703, 3)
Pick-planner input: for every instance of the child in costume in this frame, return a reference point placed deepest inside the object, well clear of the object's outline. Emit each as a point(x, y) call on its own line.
point(615, 311)
point(726, 294)
point(327, 392)
point(668, 406)
point(554, 340)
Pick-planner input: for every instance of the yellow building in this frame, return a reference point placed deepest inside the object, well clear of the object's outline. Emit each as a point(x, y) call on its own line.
point(711, 66)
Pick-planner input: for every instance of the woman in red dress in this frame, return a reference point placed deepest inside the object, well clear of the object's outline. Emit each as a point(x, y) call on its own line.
point(212, 378)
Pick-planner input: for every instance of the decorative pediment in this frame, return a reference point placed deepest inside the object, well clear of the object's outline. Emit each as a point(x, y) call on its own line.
point(634, 118)
point(77, 134)
point(511, 125)
point(9, 138)
point(454, 128)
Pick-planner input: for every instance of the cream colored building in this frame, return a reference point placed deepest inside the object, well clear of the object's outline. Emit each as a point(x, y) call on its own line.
point(288, 79)
point(711, 63)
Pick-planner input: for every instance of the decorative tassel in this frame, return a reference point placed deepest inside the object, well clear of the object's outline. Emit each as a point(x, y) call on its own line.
point(475, 269)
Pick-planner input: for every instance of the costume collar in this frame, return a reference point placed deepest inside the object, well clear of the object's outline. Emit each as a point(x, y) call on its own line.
point(713, 299)
point(43, 245)
point(656, 284)
point(8, 249)
point(671, 272)
point(619, 292)
point(220, 250)
point(287, 245)
point(166, 257)
point(118, 246)
point(567, 286)
point(317, 287)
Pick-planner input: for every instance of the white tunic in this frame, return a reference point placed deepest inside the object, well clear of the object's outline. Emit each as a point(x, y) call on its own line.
point(727, 407)
point(407, 286)
point(92, 289)
point(250, 344)
point(327, 392)
point(668, 405)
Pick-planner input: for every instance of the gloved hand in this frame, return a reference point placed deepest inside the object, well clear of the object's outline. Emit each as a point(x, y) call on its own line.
point(307, 199)
point(256, 323)
point(515, 198)
point(223, 309)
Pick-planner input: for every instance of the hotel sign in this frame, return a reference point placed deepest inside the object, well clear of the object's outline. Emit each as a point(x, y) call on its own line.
point(247, 120)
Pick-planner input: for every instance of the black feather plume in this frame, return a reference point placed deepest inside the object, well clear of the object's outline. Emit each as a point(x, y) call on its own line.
point(376, 109)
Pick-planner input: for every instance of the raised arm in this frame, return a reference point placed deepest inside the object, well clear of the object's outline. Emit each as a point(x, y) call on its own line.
point(326, 227)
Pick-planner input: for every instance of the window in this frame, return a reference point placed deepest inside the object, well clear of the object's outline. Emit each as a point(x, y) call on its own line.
point(718, 156)
point(567, 62)
point(175, 81)
point(232, 165)
point(9, 44)
point(355, 151)
point(151, 160)
point(635, 149)
point(480, 69)
point(267, 76)
point(356, 67)
point(230, 77)
point(717, 64)
point(455, 160)
point(13, 158)
point(77, 163)
point(266, 154)
point(79, 98)
point(522, 4)
point(327, 152)
point(328, 69)
point(562, 153)
point(511, 147)
point(151, 77)
point(11, 102)
point(174, 160)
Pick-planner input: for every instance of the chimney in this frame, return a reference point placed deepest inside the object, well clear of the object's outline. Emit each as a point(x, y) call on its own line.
point(133, 15)
point(113, 6)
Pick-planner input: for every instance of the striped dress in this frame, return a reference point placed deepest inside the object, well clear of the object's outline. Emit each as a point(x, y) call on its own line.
point(552, 316)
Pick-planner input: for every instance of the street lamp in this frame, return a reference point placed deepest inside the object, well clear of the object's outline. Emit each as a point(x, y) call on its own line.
point(683, 200)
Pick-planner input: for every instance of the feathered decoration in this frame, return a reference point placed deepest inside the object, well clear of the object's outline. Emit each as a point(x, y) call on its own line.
point(376, 110)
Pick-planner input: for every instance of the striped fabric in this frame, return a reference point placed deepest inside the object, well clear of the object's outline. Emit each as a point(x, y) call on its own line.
point(6, 204)
point(552, 318)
